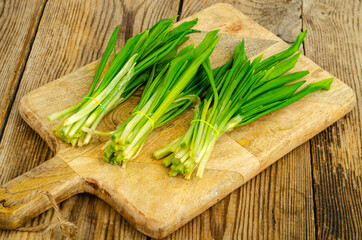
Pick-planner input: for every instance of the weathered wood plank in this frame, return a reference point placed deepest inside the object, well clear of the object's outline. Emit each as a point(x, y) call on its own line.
point(278, 203)
point(337, 152)
point(90, 168)
point(274, 205)
point(281, 17)
point(201, 229)
point(54, 177)
point(70, 35)
point(18, 23)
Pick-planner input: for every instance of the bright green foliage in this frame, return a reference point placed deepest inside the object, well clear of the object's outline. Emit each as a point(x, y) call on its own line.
point(241, 92)
point(128, 70)
point(166, 95)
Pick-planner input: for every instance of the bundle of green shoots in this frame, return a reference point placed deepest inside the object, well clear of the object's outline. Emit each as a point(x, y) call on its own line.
point(241, 92)
point(165, 96)
point(128, 70)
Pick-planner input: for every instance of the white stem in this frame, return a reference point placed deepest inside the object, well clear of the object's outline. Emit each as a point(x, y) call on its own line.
point(92, 105)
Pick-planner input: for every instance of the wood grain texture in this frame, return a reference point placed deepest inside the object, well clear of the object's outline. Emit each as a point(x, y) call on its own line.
point(93, 169)
point(25, 197)
point(156, 204)
point(71, 34)
point(18, 23)
point(98, 221)
point(278, 203)
point(273, 205)
point(281, 17)
point(337, 152)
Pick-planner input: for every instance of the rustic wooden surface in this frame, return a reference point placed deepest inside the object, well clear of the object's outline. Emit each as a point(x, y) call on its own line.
point(19, 21)
point(317, 197)
point(26, 195)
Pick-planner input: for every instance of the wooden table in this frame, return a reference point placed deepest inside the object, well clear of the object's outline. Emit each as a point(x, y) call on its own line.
point(313, 192)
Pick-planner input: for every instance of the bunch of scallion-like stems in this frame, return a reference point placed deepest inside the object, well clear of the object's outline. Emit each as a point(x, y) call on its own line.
point(128, 70)
point(166, 95)
point(241, 92)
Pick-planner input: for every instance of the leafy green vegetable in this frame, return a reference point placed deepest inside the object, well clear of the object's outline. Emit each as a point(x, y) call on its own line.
point(166, 95)
point(241, 92)
point(128, 70)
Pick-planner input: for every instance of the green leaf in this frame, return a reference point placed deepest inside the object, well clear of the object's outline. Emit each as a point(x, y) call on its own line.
point(267, 63)
point(276, 83)
point(320, 85)
point(284, 66)
point(271, 96)
point(107, 53)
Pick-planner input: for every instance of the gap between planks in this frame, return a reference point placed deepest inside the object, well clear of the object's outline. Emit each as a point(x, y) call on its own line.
point(21, 69)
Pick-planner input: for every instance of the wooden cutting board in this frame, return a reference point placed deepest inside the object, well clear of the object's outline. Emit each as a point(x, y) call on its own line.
point(142, 192)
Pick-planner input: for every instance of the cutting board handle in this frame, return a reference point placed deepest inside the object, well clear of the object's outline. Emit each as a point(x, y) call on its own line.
point(26, 196)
